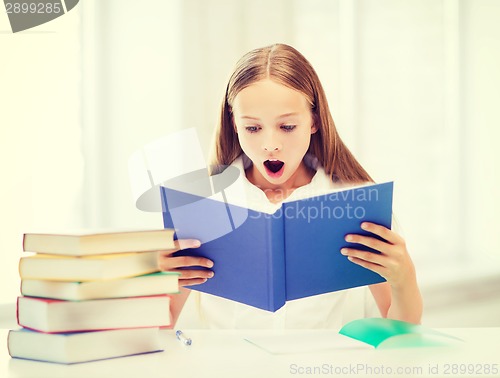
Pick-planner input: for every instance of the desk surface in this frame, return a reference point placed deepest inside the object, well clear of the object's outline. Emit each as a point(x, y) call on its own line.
point(227, 354)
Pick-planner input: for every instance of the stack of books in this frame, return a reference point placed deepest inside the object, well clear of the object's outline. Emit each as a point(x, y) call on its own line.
point(92, 296)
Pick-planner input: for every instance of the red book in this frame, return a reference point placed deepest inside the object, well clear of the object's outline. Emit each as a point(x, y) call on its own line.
point(55, 316)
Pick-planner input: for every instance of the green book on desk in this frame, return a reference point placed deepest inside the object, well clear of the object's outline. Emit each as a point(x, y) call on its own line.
point(368, 333)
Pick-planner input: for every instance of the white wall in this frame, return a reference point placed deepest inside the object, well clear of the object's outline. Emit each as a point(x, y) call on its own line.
point(133, 95)
point(41, 160)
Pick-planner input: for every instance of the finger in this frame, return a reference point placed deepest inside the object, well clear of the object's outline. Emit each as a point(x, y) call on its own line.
point(167, 262)
point(371, 257)
point(368, 241)
point(382, 231)
point(191, 282)
point(193, 273)
point(368, 265)
point(181, 261)
point(180, 245)
point(186, 243)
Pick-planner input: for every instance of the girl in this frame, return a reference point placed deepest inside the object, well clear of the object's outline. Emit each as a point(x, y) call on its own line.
point(276, 127)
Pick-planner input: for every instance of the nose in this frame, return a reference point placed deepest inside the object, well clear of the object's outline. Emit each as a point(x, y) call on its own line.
point(271, 148)
point(271, 142)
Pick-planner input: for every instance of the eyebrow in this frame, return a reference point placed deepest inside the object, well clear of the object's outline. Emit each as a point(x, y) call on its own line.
point(281, 116)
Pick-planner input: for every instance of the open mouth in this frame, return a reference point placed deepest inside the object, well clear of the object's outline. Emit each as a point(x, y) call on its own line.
point(274, 167)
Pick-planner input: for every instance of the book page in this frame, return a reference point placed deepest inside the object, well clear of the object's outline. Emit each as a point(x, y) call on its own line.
point(304, 341)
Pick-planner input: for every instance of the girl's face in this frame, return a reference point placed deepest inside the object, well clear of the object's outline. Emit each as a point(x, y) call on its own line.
point(274, 125)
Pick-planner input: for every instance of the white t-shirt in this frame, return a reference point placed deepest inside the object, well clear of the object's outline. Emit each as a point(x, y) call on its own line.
point(330, 310)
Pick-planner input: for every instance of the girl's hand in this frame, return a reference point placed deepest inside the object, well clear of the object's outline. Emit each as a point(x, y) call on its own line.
point(393, 263)
point(169, 263)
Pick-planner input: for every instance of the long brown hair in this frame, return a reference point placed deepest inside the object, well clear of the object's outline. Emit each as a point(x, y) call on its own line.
point(287, 66)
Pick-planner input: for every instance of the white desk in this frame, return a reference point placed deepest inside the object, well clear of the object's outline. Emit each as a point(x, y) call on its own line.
point(227, 354)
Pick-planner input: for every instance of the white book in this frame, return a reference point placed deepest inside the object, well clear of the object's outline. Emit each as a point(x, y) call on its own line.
point(87, 268)
point(70, 348)
point(146, 285)
point(84, 243)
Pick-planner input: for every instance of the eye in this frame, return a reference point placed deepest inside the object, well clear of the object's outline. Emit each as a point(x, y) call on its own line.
point(288, 128)
point(252, 129)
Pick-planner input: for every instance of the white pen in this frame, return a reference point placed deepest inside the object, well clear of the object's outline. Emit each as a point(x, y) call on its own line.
point(182, 338)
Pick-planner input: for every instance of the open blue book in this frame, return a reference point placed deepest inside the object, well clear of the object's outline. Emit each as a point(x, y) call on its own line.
point(264, 260)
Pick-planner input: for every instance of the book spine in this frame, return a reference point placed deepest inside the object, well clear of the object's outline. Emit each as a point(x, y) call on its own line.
point(275, 237)
point(19, 267)
point(8, 343)
point(84, 330)
point(17, 311)
point(24, 242)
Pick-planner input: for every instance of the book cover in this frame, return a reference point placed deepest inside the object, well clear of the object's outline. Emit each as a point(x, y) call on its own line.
point(146, 285)
point(56, 316)
point(389, 333)
point(78, 347)
point(87, 268)
point(263, 259)
point(96, 243)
